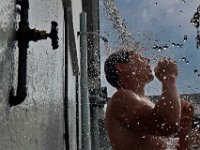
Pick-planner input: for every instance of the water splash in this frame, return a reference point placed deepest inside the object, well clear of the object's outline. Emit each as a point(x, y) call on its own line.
point(172, 143)
point(119, 25)
point(108, 48)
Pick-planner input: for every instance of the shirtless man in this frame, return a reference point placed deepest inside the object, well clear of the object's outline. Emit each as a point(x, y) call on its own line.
point(133, 122)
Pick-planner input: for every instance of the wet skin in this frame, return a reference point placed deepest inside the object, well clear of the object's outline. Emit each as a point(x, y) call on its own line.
point(130, 137)
point(133, 122)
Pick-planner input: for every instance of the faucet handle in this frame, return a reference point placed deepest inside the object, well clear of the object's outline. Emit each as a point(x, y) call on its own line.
point(54, 34)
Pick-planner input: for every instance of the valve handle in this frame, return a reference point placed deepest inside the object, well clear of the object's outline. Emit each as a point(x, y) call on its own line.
point(54, 34)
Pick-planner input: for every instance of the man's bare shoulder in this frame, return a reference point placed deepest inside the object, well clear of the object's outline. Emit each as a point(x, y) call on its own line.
point(125, 94)
point(130, 109)
point(125, 97)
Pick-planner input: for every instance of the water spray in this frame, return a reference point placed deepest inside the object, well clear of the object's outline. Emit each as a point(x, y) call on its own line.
point(196, 22)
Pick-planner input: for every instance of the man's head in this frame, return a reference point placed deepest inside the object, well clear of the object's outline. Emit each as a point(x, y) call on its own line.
point(128, 65)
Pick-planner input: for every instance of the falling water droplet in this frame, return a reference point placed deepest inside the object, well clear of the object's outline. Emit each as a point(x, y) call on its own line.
point(173, 44)
point(183, 59)
point(156, 4)
point(165, 47)
point(181, 45)
point(180, 12)
point(195, 70)
point(183, 1)
point(178, 45)
point(187, 62)
point(159, 48)
point(154, 46)
point(185, 38)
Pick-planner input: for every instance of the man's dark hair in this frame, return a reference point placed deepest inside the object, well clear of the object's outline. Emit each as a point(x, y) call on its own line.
point(109, 67)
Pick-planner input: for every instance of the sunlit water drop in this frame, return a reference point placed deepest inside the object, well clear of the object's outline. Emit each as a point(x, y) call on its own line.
point(183, 59)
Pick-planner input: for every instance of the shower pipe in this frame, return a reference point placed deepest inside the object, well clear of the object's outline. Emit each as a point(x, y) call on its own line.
point(23, 36)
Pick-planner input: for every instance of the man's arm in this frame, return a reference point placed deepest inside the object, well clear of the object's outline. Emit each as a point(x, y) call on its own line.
point(167, 111)
point(193, 140)
point(187, 113)
point(137, 115)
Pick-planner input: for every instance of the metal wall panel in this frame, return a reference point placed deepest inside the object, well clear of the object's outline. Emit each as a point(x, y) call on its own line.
point(37, 123)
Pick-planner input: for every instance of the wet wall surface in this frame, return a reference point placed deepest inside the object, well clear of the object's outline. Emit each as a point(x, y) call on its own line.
point(37, 123)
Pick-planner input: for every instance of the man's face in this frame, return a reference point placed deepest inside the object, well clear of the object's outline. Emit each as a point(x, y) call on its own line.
point(139, 67)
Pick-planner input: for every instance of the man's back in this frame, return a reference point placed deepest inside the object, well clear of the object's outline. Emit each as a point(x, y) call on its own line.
point(125, 136)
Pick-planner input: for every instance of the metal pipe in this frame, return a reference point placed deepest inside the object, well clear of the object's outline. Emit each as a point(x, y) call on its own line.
point(22, 62)
point(95, 34)
point(86, 130)
point(24, 35)
point(66, 134)
point(95, 127)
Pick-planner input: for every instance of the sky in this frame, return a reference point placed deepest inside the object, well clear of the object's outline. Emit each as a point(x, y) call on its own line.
point(161, 23)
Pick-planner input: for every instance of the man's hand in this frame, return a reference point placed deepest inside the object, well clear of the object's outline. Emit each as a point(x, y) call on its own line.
point(166, 70)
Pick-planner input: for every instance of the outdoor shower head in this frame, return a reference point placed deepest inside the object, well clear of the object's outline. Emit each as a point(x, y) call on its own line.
point(93, 33)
